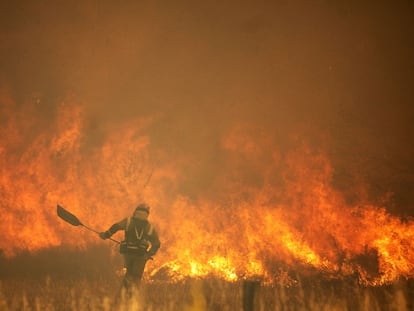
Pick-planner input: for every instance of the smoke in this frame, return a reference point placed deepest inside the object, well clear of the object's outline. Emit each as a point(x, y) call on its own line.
point(227, 113)
point(338, 76)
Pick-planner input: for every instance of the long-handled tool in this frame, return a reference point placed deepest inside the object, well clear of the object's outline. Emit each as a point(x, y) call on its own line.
point(74, 221)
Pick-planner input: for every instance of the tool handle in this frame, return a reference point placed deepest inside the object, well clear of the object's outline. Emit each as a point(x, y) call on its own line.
point(97, 232)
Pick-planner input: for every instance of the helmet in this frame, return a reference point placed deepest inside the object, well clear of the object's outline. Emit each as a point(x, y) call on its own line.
point(143, 207)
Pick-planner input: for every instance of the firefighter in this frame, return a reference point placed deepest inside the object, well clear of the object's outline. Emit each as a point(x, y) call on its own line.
point(140, 244)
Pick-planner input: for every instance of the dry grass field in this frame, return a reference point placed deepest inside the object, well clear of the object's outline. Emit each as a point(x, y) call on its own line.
point(69, 280)
point(97, 294)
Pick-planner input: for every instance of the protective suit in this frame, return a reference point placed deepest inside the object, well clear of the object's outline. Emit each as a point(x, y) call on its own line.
point(140, 244)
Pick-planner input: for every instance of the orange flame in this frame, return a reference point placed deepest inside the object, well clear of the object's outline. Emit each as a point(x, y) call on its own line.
point(270, 211)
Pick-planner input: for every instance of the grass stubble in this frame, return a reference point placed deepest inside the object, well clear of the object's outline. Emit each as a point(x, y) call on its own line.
point(61, 279)
point(103, 293)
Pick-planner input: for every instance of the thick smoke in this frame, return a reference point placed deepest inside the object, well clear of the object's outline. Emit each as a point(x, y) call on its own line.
point(229, 109)
point(338, 76)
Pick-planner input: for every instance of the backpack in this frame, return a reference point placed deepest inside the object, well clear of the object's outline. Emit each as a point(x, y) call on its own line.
point(137, 235)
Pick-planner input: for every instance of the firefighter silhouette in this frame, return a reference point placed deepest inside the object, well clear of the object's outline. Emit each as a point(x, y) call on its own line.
point(140, 244)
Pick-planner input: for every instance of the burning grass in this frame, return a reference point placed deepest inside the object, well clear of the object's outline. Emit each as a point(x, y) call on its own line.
point(260, 211)
point(262, 207)
point(95, 293)
point(66, 279)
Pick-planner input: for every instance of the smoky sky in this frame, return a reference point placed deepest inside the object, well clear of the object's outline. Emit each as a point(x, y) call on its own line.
point(343, 69)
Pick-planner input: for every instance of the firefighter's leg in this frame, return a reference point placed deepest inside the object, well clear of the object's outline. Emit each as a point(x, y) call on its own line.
point(138, 266)
point(129, 264)
point(135, 265)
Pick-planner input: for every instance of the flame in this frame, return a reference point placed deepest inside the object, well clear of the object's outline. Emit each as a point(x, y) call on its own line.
point(271, 211)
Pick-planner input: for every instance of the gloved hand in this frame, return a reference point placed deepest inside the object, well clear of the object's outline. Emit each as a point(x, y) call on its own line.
point(104, 235)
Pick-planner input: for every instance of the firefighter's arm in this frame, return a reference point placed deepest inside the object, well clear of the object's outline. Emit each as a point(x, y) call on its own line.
point(155, 243)
point(114, 228)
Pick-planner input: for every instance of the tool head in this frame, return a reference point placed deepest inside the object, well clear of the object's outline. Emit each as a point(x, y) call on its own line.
point(67, 216)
